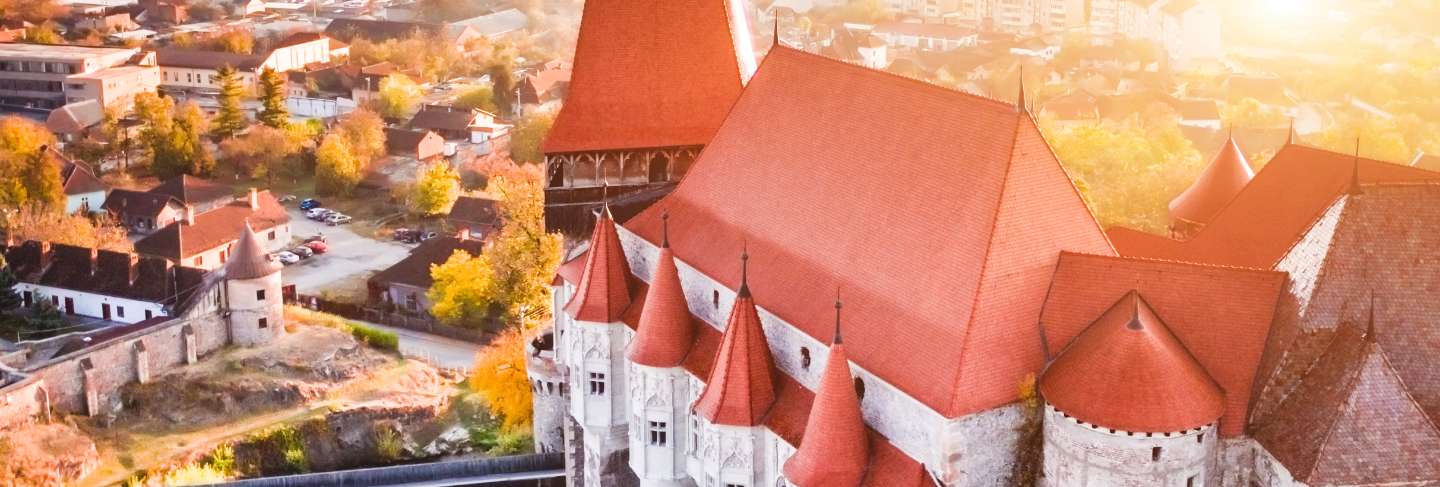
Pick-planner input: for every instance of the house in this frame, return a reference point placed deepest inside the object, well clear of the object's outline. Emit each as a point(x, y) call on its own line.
point(198, 70)
point(478, 216)
point(496, 25)
point(202, 195)
point(1078, 107)
point(117, 287)
point(348, 29)
point(421, 145)
point(142, 211)
point(547, 84)
point(447, 121)
point(109, 23)
point(42, 77)
point(83, 190)
point(205, 240)
point(72, 120)
point(405, 284)
point(1198, 112)
point(925, 36)
point(163, 12)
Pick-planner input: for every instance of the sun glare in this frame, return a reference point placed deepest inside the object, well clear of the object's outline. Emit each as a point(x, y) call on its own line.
point(1285, 6)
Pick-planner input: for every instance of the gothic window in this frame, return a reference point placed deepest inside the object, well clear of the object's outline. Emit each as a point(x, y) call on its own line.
point(659, 433)
point(859, 388)
point(1192, 482)
point(694, 435)
point(557, 173)
point(715, 297)
point(597, 384)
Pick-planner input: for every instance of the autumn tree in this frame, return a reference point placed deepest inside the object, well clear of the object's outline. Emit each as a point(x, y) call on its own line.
point(337, 171)
point(231, 118)
point(172, 137)
point(1249, 112)
point(528, 134)
point(365, 132)
point(398, 96)
point(502, 82)
point(1379, 138)
point(272, 99)
point(28, 171)
point(499, 378)
point(37, 222)
point(511, 278)
point(43, 33)
point(435, 189)
point(34, 11)
point(477, 98)
point(237, 41)
point(264, 152)
point(9, 299)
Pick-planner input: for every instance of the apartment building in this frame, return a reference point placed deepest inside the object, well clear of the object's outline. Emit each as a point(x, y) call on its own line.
point(197, 70)
point(43, 78)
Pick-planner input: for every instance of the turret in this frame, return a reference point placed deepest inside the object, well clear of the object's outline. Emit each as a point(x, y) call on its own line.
point(1222, 179)
point(835, 449)
point(252, 293)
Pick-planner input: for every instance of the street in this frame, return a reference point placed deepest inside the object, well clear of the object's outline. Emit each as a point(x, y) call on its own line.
point(350, 256)
point(440, 351)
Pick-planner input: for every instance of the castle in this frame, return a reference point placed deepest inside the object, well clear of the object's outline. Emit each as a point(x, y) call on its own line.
point(865, 279)
point(188, 313)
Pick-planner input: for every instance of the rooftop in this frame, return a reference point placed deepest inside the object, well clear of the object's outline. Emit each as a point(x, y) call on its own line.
point(58, 52)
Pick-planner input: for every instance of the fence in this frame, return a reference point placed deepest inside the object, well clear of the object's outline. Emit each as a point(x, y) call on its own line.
point(543, 469)
point(424, 324)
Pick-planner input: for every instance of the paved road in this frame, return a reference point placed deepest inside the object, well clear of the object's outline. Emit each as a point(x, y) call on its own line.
point(350, 255)
point(437, 350)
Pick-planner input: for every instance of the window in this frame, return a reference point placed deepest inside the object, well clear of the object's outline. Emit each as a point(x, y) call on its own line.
point(272, 235)
point(694, 436)
point(411, 302)
point(715, 296)
point(200, 260)
point(659, 433)
point(1200, 438)
point(1191, 482)
point(805, 358)
point(859, 388)
point(260, 295)
point(597, 384)
point(1155, 454)
point(264, 323)
point(120, 311)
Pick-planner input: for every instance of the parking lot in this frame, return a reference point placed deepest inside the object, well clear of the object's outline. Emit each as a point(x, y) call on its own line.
point(350, 257)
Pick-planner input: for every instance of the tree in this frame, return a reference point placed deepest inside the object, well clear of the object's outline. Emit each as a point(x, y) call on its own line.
point(28, 172)
point(1249, 112)
point(43, 33)
point(435, 190)
point(511, 278)
point(9, 299)
point(365, 132)
point(231, 118)
point(237, 41)
point(398, 96)
point(36, 11)
point(175, 143)
point(337, 171)
point(477, 98)
point(502, 82)
point(37, 222)
point(1379, 138)
point(499, 377)
point(272, 100)
point(528, 134)
point(45, 321)
point(1128, 172)
point(264, 152)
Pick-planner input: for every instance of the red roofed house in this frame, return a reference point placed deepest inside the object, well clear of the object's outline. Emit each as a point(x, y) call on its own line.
point(206, 240)
point(651, 82)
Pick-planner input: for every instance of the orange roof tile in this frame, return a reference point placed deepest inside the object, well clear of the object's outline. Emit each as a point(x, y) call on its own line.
point(666, 331)
point(1221, 314)
point(603, 293)
point(967, 182)
point(1260, 224)
point(741, 386)
point(250, 259)
point(835, 449)
point(649, 73)
point(1128, 371)
point(1227, 174)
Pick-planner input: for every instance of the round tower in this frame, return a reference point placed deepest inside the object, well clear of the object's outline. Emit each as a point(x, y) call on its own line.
point(252, 293)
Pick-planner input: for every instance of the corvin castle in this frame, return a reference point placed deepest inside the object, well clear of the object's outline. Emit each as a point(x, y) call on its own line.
point(864, 279)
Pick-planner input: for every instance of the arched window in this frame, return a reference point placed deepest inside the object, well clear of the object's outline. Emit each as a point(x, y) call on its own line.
point(859, 388)
point(610, 168)
point(634, 170)
point(583, 175)
point(660, 168)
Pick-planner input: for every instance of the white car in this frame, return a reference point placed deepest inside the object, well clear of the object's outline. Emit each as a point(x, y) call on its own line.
point(287, 258)
point(337, 219)
point(317, 214)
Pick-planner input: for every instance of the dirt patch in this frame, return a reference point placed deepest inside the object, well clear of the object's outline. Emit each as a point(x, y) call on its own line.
point(46, 455)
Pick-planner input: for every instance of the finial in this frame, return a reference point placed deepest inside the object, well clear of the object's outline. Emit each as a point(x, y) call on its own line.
point(776, 41)
point(605, 195)
point(1134, 310)
point(1354, 189)
point(1290, 133)
point(1020, 103)
point(837, 340)
point(745, 269)
point(1370, 325)
point(665, 229)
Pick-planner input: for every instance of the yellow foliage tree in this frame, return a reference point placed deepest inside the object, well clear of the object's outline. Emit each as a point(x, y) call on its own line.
point(499, 377)
point(435, 189)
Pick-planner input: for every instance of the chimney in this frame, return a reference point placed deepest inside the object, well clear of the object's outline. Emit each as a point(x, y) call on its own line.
point(189, 215)
point(254, 199)
point(134, 267)
point(45, 254)
point(94, 260)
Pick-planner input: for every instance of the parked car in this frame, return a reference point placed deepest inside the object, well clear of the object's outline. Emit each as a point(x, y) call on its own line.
point(287, 258)
point(318, 247)
point(287, 198)
point(337, 219)
point(428, 235)
point(319, 237)
point(303, 252)
point(308, 204)
point(317, 214)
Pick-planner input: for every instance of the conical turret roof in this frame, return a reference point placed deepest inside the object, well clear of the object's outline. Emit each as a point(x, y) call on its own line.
point(250, 260)
point(835, 449)
point(666, 330)
point(741, 386)
point(1227, 174)
point(603, 293)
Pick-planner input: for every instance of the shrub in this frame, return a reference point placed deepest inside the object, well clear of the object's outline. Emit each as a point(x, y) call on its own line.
point(387, 444)
point(380, 339)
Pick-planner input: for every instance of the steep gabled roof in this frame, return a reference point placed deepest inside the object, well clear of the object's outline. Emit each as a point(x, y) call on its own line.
point(191, 190)
point(666, 330)
point(130, 202)
point(69, 267)
point(75, 177)
point(1127, 371)
point(1221, 314)
point(213, 228)
point(741, 386)
point(414, 269)
point(835, 448)
point(603, 294)
point(651, 73)
point(1260, 224)
point(1227, 174)
point(964, 185)
point(1353, 421)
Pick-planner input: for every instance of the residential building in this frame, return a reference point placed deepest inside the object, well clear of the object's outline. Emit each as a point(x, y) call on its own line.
point(927, 37)
point(199, 71)
point(449, 122)
point(478, 216)
point(207, 240)
point(421, 145)
point(405, 284)
point(98, 284)
point(109, 23)
point(545, 86)
point(84, 192)
point(42, 78)
point(142, 212)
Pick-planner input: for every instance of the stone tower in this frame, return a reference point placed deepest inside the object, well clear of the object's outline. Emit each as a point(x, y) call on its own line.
point(252, 293)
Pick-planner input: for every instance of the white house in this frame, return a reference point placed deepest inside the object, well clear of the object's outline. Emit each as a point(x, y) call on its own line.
point(101, 284)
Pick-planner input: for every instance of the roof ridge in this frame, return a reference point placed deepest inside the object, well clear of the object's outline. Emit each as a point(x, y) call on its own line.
point(1070, 180)
point(899, 77)
point(1184, 263)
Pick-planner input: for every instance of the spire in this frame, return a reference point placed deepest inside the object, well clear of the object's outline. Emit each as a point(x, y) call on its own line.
point(666, 330)
point(665, 229)
point(603, 293)
point(1020, 102)
point(835, 449)
point(1370, 320)
point(744, 271)
point(741, 386)
point(1354, 189)
point(250, 259)
point(1290, 133)
point(1225, 176)
point(776, 41)
point(605, 195)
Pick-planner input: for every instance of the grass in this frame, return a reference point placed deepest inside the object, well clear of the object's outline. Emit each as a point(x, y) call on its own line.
point(374, 337)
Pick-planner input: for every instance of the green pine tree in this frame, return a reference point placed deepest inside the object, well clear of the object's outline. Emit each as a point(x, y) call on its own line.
point(9, 299)
point(272, 100)
point(231, 119)
point(46, 319)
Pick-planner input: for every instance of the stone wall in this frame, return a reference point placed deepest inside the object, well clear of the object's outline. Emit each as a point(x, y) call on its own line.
point(548, 386)
point(1078, 453)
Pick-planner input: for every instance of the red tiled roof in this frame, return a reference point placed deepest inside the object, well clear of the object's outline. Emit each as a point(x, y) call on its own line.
point(602, 294)
point(648, 73)
point(213, 228)
point(835, 449)
point(1221, 314)
point(967, 183)
point(572, 270)
point(1127, 371)
point(666, 330)
point(741, 386)
point(1227, 174)
point(1353, 421)
point(1269, 215)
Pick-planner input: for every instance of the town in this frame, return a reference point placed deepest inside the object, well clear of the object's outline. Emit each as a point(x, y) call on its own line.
point(719, 242)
